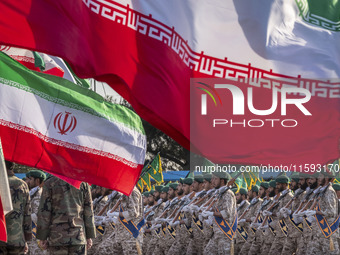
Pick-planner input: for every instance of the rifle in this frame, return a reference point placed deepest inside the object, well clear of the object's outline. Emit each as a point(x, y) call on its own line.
point(312, 200)
point(108, 203)
point(173, 202)
point(208, 194)
point(293, 198)
point(198, 197)
point(151, 212)
point(185, 202)
point(276, 201)
point(116, 205)
point(260, 210)
point(220, 192)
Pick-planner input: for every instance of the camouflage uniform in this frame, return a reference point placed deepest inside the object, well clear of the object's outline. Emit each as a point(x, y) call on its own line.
point(258, 242)
point(329, 209)
point(98, 206)
point(220, 243)
point(18, 221)
point(253, 209)
point(277, 246)
point(182, 240)
point(65, 216)
point(146, 236)
point(268, 237)
point(35, 195)
point(154, 237)
point(105, 246)
point(165, 243)
point(239, 241)
point(305, 239)
point(198, 241)
point(124, 242)
point(292, 240)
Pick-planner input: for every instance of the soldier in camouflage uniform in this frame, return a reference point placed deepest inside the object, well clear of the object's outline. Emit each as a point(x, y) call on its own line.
point(156, 212)
point(268, 235)
point(254, 206)
point(208, 223)
point(282, 184)
point(298, 185)
point(226, 204)
point(307, 232)
point(182, 235)
point(18, 221)
point(132, 207)
point(242, 202)
point(196, 245)
point(104, 248)
point(336, 187)
point(147, 226)
point(65, 217)
point(259, 237)
point(329, 209)
point(35, 180)
point(161, 246)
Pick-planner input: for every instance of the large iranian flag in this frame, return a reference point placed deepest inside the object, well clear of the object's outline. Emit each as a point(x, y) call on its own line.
point(148, 51)
point(52, 124)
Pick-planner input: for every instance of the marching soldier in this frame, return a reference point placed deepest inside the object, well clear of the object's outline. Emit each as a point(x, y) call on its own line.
point(336, 187)
point(157, 210)
point(249, 217)
point(35, 180)
point(259, 237)
point(104, 248)
point(65, 217)
point(146, 232)
point(306, 236)
point(242, 202)
point(196, 245)
point(222, 242)
point(162, 245)
point(18, 221)
point(127, 237)
point(327, 209)
point(207, 224)
point(291, 245)
point(282, 183)
point(181, 225)
point(269, 232)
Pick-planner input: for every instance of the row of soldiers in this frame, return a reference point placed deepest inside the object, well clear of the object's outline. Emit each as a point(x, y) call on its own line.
point(205, 215)
point(200, 215)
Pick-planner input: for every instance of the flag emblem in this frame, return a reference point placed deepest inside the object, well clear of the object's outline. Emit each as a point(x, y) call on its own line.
point(65, 123)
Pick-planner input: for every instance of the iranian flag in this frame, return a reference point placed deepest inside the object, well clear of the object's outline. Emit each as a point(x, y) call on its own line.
point(52, 124)
point(149, 50)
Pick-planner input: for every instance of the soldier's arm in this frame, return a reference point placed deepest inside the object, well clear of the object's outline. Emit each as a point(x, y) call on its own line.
point(88, 213)
point(330, 209)
point(27, 215)
point(44, 213)
point(226, 211)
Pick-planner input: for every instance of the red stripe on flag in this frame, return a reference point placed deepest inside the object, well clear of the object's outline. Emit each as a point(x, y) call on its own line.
point(74, 164)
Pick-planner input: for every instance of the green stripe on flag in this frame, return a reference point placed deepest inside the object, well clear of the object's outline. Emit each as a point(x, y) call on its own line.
point(64, 92)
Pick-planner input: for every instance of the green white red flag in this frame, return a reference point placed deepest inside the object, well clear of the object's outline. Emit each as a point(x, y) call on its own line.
point(52, 124)
point(148, 51)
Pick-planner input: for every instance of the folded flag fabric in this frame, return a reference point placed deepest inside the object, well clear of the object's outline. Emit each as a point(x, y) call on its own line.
point(52, 124)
